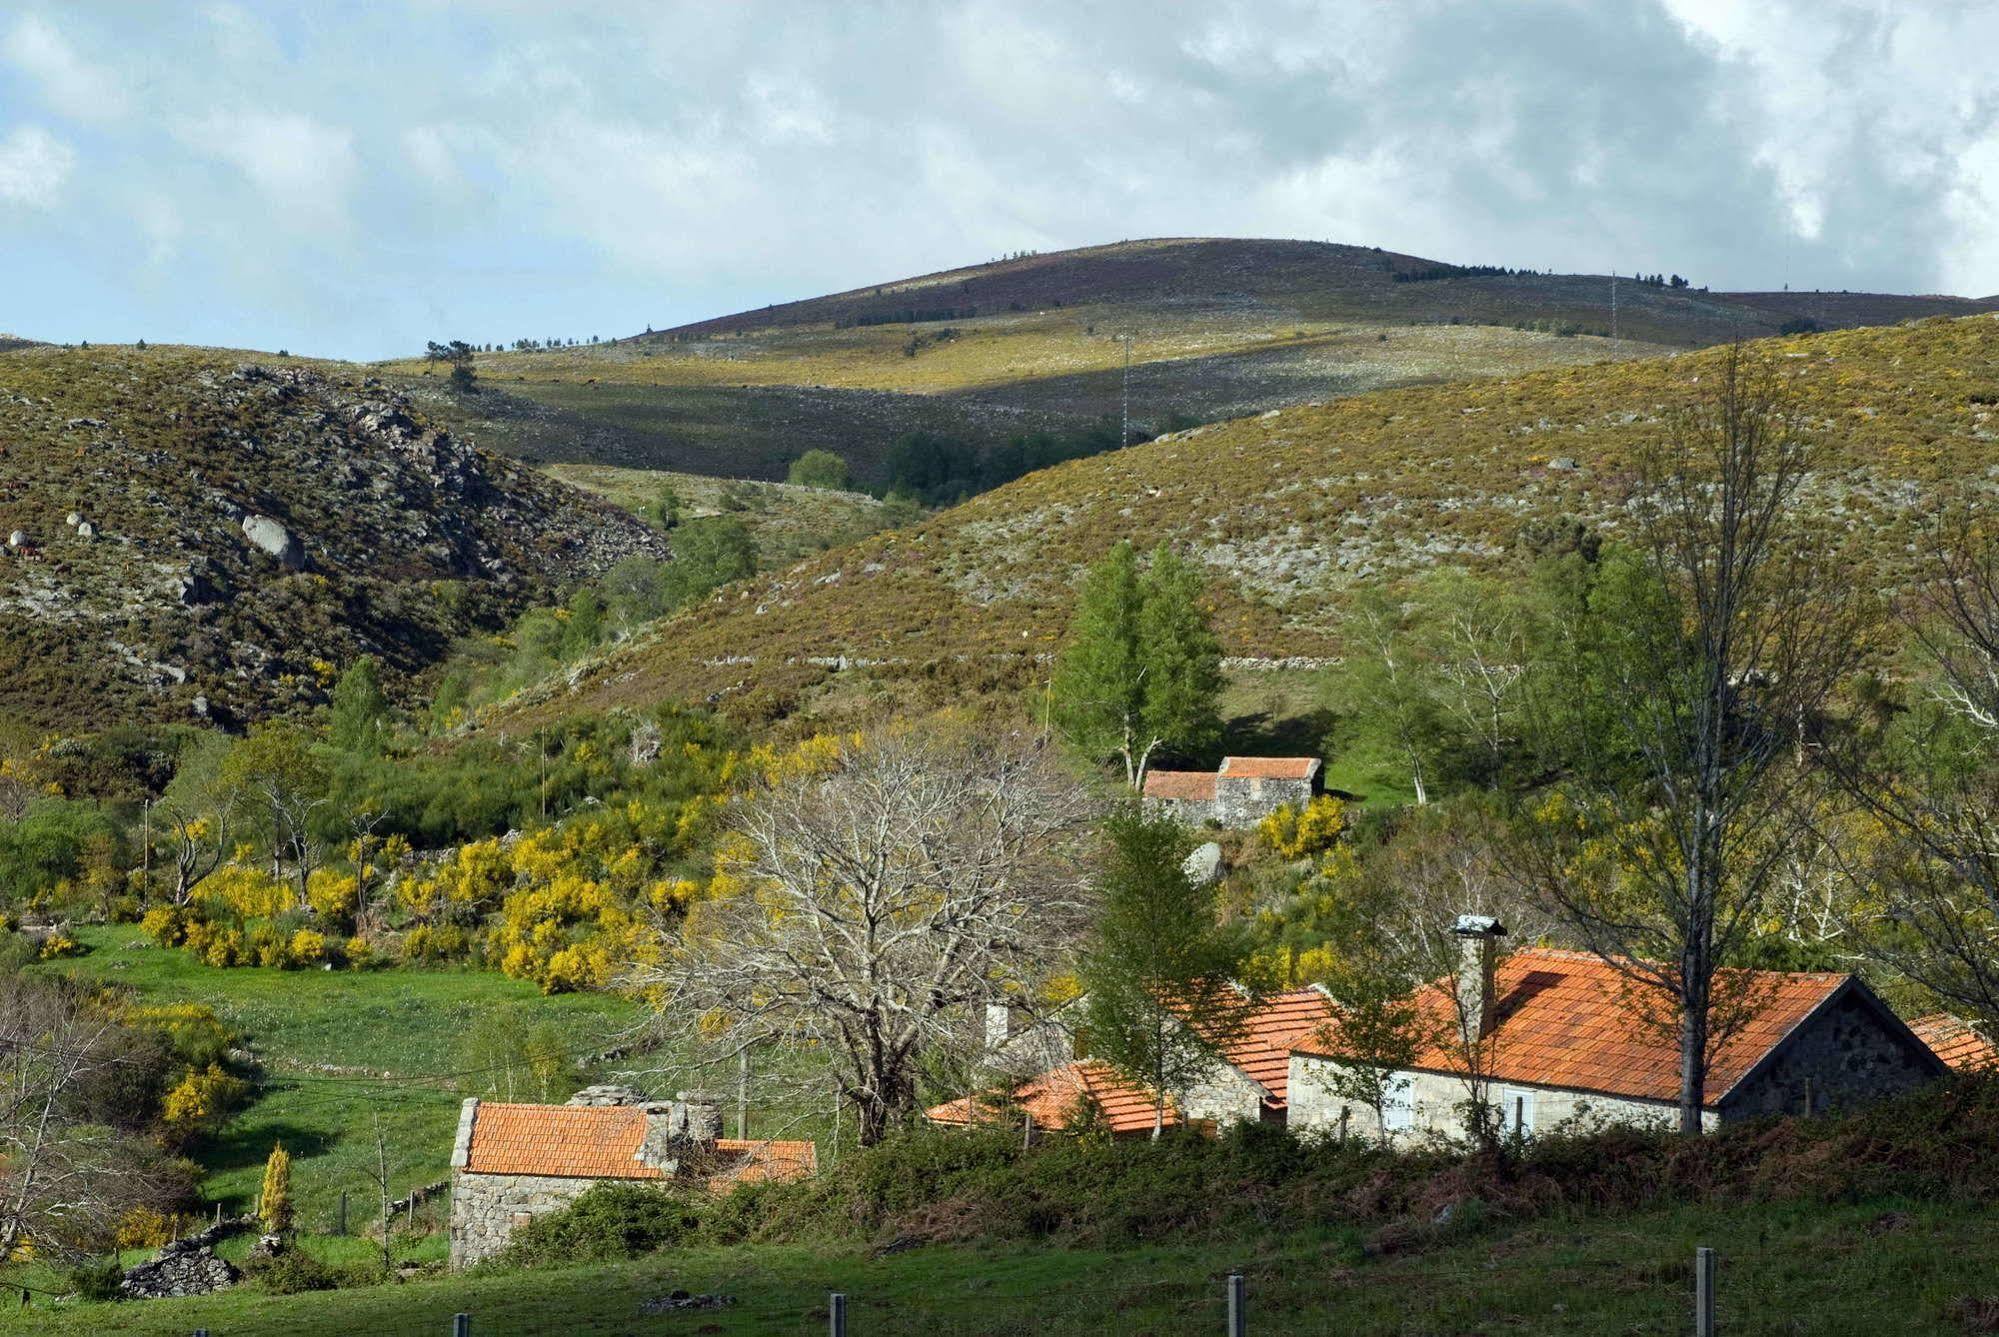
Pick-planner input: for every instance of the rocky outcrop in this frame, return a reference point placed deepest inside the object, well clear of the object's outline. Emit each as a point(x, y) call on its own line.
point(203, 489)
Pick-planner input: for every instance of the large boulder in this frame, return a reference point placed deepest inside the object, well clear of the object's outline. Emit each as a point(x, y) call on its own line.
point(1204, 865)
point(275, 541)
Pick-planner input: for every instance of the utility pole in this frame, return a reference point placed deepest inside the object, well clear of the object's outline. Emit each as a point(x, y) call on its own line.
point(1124, 429)
point(1613, 312)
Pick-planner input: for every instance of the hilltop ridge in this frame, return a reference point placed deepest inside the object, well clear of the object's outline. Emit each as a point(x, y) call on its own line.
point(1289, 510)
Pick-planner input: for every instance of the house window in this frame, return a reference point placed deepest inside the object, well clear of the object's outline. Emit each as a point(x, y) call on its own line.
point(1398, 1105)
point(1516, 1111)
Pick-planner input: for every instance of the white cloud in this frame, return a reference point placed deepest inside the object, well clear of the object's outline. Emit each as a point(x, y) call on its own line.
point(70, 85)
point(304, 167)
point(34, 166)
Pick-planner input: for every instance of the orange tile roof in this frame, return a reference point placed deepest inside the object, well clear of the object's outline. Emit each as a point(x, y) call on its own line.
point(1570, 1020)
point(1264, 1050)
point(1054, 1096)
point(1956, 1042)
point(763, 1163)
point(1180, 785)
point(1269, 768)
point(602, 1142)
point(566, 1141)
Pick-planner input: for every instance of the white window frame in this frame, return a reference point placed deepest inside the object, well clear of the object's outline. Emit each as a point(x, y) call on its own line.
point(1516, 1110)
point(1398, 1103)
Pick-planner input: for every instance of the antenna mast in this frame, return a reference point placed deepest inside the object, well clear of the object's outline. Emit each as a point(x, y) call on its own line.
point(1124, 428)
point(1613, 311)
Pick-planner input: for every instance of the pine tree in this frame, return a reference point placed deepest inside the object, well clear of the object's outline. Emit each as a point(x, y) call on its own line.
point(1163, 977)
point(274, 1204)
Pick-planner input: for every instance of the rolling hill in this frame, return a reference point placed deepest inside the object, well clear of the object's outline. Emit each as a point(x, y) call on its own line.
point(1219, 328)
point(1288, 510)
point(188, 536)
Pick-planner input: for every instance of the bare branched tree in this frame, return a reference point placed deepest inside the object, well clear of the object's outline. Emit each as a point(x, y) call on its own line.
point(914, 879)
point(1928, 895)
point(64, 1181)
point(1690, 677)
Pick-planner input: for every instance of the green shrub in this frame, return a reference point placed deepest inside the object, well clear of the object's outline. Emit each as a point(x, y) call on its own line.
point(609, 1221)
point(291, 1272)
point(96, 1280)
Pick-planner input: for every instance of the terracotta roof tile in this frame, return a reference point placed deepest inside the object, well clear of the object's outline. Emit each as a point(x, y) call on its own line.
point(603, 1141)
point(1954, 1040)
point(763, 1163)
point(564, 1141)
point(1269, 768)
point(1570, 1020)
point(1197, 785)
point(1264, 1050)
point(1054, 1097)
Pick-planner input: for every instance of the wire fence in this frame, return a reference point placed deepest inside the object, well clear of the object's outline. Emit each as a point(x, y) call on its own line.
point(1701, 1291)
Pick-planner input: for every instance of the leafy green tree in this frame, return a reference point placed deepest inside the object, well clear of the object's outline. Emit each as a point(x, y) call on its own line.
point(358, 719)
point(707, 554)
point(1142, 670)
point(276, 771)
point(1164, 977)
point(585, 627)
point(819, 468)
point(665, 508)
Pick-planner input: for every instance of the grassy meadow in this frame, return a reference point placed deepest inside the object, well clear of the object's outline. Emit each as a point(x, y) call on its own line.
point(1851, 1268)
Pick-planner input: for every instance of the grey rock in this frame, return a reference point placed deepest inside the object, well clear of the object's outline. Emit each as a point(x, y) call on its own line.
point(86, 530)
point(1564, 464)
point(275, 541)
point(17, 539)
point(1204, 866)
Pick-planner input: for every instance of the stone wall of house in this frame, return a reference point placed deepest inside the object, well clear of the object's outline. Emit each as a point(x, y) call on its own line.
point(486, 1209)
point(1225, 1095)
point(1437, 1105)
point(1842, 1058)
point(1242, 801)
point(1188, 811)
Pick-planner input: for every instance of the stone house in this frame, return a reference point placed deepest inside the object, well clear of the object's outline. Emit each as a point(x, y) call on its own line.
point(1241, 793)
point(1564, 1037)
point(1251, 1083)
point(512, 1162)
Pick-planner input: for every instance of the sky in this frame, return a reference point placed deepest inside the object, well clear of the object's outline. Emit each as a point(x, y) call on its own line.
point(352, 179)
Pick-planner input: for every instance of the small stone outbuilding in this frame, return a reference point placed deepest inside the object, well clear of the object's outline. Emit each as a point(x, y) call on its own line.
point(1241, 793)
point(1566, 1038)
point(512, 1162)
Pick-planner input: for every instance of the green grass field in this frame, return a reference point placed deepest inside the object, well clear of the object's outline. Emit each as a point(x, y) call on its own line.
point(396, 1037)
point(1856, 1268)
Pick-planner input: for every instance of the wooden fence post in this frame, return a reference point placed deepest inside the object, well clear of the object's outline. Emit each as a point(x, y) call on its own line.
point(1238, 1307)
point(461, 1325)
point(836, 1314)
point(1704, 1275)
point(341, 1229)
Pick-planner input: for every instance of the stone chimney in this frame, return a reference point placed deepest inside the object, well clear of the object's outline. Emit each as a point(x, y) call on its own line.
point(697, 1115)
point(1478, 955)
point(999, 1026)
point(680, 1131)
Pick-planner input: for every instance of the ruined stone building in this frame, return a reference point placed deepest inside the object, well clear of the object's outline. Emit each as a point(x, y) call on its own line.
point(511, 1162)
